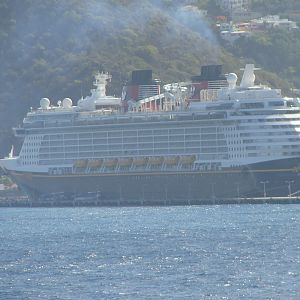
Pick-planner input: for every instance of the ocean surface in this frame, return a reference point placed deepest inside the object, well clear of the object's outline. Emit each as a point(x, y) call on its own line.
point(198, 252)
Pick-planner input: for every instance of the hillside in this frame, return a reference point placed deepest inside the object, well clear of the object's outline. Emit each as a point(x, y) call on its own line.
point(52, 48)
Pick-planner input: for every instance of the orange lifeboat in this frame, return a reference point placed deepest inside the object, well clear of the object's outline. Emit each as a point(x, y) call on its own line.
point(110, 162)
point(155, 160)
point(140, 161)
point(171, 160)
point(187, 159)
point(95, 163)
point(124, 162)
point(82, 163)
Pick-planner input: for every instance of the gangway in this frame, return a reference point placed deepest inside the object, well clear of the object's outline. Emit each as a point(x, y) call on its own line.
point(295, 193)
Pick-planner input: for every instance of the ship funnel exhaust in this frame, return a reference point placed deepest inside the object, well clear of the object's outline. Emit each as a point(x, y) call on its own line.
point(206, 85)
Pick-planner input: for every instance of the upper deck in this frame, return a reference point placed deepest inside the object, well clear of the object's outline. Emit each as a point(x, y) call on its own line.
point(172, 105)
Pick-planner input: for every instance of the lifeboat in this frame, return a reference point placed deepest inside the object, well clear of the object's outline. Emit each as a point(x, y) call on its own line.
point(155, 160)
point(187, 159)
point(171, 160)
point(95, 163)
point(110, 162)
point(123, 162)
point(82, 163)
point(140, 161)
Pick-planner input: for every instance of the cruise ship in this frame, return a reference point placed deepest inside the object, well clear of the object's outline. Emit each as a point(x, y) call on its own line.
point(181, 143)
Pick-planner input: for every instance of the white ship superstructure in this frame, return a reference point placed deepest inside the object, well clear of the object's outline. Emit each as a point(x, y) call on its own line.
point(182, 149)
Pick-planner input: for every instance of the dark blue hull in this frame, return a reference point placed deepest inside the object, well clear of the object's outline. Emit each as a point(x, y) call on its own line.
point(272, 179)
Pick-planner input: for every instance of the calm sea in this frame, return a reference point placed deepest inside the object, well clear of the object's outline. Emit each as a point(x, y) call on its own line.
point(200, 252)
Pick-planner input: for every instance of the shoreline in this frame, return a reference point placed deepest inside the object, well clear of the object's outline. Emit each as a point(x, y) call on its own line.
point(24, 201)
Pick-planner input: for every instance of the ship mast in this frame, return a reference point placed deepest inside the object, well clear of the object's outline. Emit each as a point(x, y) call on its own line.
point(100, 83)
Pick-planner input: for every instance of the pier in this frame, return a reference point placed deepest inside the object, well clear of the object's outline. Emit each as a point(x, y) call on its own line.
point(24, 201)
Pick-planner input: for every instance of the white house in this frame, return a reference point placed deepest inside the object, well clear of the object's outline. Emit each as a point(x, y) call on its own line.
point(234, 6)
point(274, 21)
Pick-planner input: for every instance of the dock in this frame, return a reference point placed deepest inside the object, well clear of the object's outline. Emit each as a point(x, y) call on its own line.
point(24, 201)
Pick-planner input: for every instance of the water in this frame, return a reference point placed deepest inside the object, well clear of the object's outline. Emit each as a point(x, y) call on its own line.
point(204, 252)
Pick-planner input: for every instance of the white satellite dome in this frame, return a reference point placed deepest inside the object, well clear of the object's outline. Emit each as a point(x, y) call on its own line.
point(232, 79)
point(45, 103)
point(67, 103)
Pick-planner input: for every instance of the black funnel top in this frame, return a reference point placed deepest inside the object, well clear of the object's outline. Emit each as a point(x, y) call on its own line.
point(141, 77)
point(210, 73)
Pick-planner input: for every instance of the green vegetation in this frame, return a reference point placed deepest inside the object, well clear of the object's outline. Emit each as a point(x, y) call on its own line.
point(276, 51)
point(275, 6)
point(6, 181)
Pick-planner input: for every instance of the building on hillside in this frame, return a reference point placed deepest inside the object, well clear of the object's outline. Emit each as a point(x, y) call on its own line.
point(194, 10)
point(274, 21)
point(230, 32)
point(238, 10)
point(234, 6)
point(231, 36)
